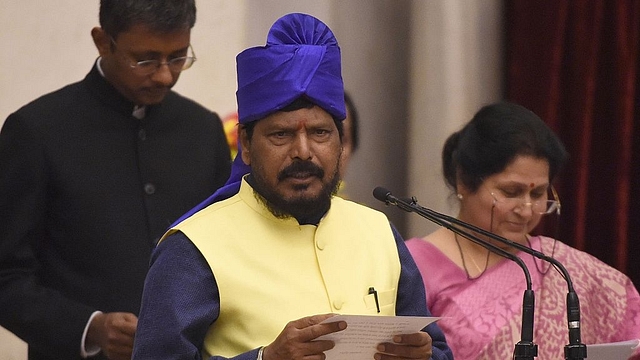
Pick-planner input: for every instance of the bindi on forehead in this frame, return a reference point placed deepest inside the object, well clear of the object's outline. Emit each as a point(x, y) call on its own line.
point(532, 185)
point(302, 124)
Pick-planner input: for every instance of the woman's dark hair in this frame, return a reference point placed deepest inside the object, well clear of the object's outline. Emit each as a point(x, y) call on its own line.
point(163, 16)
point(494, 137)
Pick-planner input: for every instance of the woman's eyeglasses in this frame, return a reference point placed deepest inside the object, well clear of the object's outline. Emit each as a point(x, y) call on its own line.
point(541, 206)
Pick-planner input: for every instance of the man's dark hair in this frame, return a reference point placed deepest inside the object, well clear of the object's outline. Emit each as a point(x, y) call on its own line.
point(163, 16)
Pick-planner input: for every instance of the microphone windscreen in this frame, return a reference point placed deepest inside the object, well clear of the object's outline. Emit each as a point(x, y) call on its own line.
point(381, 193)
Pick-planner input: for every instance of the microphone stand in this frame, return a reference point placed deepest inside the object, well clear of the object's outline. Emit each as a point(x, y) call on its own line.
point(575, 350)
point(525, 349)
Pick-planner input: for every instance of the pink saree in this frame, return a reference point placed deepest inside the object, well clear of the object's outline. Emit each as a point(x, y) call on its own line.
point(482, 318)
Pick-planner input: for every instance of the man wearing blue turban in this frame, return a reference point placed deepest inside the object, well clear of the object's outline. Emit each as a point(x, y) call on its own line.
point(253, 271)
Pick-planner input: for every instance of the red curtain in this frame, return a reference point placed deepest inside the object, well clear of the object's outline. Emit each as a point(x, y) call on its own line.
point(577, 65)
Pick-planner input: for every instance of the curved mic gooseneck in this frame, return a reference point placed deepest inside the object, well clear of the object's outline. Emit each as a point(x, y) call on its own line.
point(575, 350)
point(525, 348)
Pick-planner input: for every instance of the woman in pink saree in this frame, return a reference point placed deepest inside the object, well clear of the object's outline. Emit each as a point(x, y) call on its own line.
point(500, 167)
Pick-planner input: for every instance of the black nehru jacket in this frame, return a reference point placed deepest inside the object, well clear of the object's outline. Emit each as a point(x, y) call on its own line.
point(86, 190)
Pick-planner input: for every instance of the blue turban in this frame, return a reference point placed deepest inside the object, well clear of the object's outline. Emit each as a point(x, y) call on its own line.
point(301, 59)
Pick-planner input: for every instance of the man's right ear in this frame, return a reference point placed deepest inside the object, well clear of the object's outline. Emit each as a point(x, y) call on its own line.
point(102, 41)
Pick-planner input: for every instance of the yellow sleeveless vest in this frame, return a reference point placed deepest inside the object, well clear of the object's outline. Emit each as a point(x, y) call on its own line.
point(271, 271)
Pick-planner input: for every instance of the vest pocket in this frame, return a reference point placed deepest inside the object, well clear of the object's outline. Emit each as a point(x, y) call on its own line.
point(386, 301)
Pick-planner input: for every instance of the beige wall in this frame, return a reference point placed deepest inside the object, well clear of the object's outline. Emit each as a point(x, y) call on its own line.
point(416, 69)
point(456, 67)
point(47, 44)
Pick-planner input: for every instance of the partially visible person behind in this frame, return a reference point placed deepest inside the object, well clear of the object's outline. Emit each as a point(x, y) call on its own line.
point(351, 138)
point(500, 167)
point(230, 125)
point(258, 266)
point(350, 141)
point(93, 174)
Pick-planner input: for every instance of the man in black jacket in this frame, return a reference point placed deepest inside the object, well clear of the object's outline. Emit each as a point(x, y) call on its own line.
point(91, 176)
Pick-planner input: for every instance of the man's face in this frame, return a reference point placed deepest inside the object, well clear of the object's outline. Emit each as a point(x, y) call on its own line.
point(294, 158)
point(140, 43)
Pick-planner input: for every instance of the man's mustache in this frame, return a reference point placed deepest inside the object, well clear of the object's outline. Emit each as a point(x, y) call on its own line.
point(304, 168)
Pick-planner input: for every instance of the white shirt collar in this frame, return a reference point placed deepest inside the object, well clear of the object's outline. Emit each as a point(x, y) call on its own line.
point(139, 111)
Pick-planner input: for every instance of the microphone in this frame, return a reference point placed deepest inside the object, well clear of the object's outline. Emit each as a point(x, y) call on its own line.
point(525, 348)
point(575, 350)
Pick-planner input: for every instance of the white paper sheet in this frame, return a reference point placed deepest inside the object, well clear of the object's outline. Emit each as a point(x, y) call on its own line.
point(612, 351)
point(363, 334)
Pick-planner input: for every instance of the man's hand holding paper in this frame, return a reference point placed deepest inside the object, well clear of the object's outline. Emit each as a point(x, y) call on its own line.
point(379, 337)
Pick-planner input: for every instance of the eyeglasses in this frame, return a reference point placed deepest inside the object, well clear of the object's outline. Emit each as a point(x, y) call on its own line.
point(542, 207)
point(148, 67)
